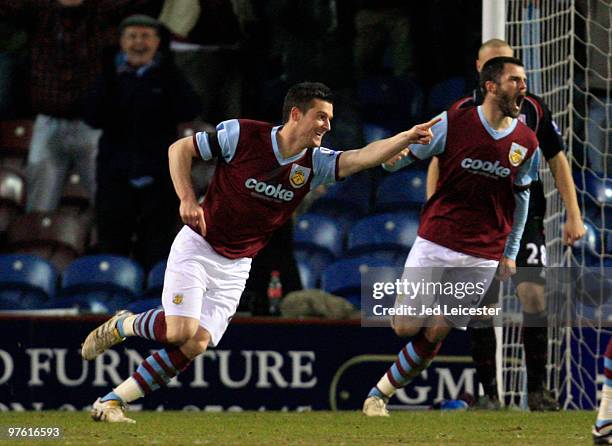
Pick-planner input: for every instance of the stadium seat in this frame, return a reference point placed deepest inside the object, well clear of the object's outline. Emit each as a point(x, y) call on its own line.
point(155, 281)
point(600, 189)
point(318, 232)
point(591, 242)
point(312, 264)
point(443, 94)
point(75, 198)
point(349, 198)
point(343, 277)
point(26, 282)
point(308, 276)
point(101, 283)
point(374, 132)
point(142, 305)
point(59, 238)
point(15, 137)
point(401, 190)
point(12, 187)
point(391, 231)
point(12, 199)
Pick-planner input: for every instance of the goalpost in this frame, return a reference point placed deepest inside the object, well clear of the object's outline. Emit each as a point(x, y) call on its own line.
point(565, 46)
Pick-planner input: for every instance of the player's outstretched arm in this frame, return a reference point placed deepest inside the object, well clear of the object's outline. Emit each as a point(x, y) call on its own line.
point(573, 229)
point(375, 153)
point(180, 156)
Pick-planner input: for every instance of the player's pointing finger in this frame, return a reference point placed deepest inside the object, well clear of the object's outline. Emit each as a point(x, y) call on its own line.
point(431, 123)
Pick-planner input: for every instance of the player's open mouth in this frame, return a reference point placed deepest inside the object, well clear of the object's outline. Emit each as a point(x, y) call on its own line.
point(519, 100)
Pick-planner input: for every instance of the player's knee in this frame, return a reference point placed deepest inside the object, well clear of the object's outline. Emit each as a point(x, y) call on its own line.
point(197, 344)
point(180, 335)
point(196, 348)
point(404, 328)
point(531, 296)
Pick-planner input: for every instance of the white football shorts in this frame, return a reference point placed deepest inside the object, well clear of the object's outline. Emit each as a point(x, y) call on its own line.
point(430, 263)
point(203, 285)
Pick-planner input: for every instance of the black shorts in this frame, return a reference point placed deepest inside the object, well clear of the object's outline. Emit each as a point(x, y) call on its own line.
point(530, 262)
point(531, 259)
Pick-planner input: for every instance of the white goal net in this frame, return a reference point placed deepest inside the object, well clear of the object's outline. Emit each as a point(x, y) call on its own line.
point(565, 46)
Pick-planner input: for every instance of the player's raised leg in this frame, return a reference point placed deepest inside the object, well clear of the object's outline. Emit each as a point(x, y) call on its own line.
point(411, 361)
point(202, 290)
point(187, 339)
point(602, 431)
point(149, 325)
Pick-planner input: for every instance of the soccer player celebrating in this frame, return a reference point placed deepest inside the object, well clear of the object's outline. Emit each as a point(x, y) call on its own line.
point(262, 175)
point(529, 279)
point(488, 159)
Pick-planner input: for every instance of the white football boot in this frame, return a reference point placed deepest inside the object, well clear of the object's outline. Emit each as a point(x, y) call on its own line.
point(374, 406)
point(103, 337)
point(111, 411)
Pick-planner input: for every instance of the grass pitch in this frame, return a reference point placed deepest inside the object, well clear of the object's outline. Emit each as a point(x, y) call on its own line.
point(312, 428)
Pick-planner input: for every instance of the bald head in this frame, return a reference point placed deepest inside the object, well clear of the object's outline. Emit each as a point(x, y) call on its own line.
point(493, 48)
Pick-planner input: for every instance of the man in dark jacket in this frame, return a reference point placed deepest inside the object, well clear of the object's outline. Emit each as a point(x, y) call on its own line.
point(138, 103)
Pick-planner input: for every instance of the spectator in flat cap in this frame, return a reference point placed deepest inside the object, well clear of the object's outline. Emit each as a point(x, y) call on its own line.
point(138, 103)
point(67, 39)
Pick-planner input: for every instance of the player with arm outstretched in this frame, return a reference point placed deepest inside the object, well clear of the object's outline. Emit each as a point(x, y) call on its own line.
point(531, 259)
point(475, 220)
point(263, 173)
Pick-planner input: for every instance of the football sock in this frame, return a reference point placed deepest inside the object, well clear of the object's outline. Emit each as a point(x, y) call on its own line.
point(149, 325)
point(483, 345)
point(535, 343)
point(604, 416)
point(127, 391)
point(155, 371)
point(410, 362)
point(125, 326)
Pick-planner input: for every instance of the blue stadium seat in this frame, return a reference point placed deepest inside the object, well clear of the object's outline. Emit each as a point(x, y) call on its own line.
point(391, 231)
point(318, 232)
point(308, 275)
point(155, 281)
point(26, 282)
point(591, 242)
point(374, 132)
point(401, 190)
point(443, 94)
point(142, 305)
point(311, 265)
point(347, 199)
point(600, 189)
point(101, 283)
point(343, 277)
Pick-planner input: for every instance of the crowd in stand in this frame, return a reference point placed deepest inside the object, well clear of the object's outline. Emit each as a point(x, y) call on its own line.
point(106, 86)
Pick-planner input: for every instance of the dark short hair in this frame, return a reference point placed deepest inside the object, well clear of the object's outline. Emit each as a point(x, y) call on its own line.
point(301, 95)
point(493, 69)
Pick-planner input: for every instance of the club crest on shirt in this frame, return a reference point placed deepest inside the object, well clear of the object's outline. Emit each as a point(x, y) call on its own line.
point(299, 175)
point(177, 299)
point(517, 154)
